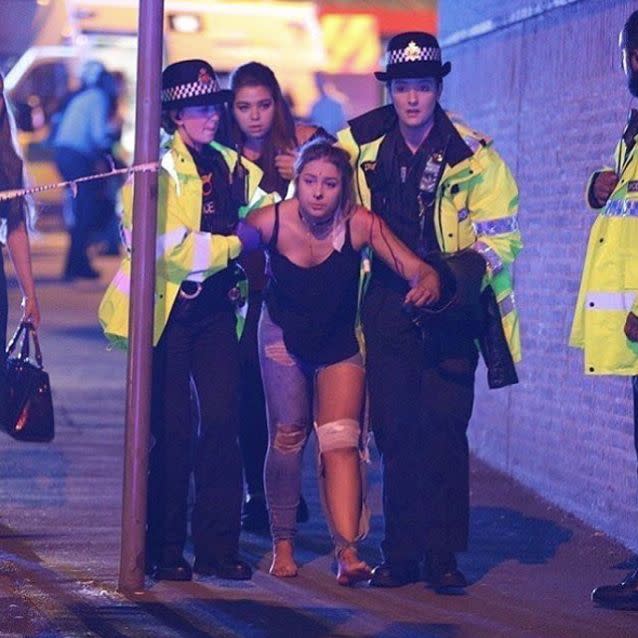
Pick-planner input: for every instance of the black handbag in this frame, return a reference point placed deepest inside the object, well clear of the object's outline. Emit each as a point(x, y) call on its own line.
point(28, 391)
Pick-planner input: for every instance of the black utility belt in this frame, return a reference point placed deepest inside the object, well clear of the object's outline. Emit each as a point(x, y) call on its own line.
point(221, 285)
point(190, 289)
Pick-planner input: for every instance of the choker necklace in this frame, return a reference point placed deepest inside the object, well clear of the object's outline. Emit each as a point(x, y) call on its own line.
point(318, 231)
point(319, 224)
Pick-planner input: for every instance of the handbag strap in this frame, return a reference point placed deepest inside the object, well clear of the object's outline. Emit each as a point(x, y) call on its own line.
point(27, 330)
point(15, 338)
point(36, 343)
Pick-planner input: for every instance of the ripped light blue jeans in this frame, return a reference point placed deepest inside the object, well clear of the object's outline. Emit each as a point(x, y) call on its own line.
point(289, 388)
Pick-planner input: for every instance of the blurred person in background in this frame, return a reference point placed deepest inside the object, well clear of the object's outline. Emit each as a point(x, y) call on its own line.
point(263, 131)
point(85, 134)
point(105, 236)
point(203, 190)
point(605, 322)
point(309, 353)
point(327, 111)
point(13, 234)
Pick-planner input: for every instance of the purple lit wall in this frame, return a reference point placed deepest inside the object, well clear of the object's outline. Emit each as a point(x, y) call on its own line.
point(544, 79)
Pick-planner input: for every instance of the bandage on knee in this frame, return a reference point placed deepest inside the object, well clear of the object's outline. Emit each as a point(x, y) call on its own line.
point(338, 435)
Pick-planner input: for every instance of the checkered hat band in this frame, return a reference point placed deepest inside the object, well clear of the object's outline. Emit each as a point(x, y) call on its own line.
point(413, 54)
point(193, 89)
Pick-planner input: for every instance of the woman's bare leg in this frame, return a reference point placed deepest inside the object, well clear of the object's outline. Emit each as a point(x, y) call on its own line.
point(338, 400)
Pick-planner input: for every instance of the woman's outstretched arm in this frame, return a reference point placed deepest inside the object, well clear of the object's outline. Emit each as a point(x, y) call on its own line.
point(369, 229)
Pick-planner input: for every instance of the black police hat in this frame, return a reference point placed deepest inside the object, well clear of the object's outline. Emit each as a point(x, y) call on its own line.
point(191, 83)
point(414, 54)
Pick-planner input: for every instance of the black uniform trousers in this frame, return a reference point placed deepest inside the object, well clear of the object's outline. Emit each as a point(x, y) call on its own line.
point(253, 432)
point(421, 388)
point(199, 342)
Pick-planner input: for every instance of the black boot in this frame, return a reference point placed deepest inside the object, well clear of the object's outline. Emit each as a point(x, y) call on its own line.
point(230, 567)
point(621, 596)
point(442, 573)
point(172, 566)
point(395, 574)
point(254, 515)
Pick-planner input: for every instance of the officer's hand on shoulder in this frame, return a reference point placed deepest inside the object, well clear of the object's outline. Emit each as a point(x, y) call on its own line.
point(631, 327)
point(603, 186)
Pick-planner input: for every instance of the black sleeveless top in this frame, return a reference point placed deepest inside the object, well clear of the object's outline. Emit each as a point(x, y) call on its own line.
point(315, 307)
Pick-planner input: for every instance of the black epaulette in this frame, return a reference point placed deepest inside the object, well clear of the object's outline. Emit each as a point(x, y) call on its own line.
point(373, 124)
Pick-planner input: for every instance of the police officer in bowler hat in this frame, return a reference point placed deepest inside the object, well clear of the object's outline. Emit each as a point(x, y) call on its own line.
point(442, 188)
point(203, 190)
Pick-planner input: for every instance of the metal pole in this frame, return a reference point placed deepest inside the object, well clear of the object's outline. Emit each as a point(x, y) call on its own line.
point(138, 377)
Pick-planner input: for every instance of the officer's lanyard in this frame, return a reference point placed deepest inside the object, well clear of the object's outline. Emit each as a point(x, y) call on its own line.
point(428, 186)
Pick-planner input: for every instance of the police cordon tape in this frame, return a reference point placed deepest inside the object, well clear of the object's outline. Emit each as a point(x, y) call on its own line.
point(73, 183)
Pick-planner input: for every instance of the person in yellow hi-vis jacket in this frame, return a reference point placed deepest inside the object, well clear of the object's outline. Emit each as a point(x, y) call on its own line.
point(605, 322)
point(442, 189)
point(204, 189)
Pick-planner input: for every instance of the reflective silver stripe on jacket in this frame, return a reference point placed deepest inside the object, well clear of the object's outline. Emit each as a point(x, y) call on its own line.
point(169, 240)
point(202, 251)
point(507, 305)
point(497, 226)
point(494, 262)
point(163, 243)
point(621, 208)
point(122, 284)
point(619, 301)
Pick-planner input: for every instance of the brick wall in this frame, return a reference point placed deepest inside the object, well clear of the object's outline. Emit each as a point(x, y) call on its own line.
point(550, 91)
point(458, 15)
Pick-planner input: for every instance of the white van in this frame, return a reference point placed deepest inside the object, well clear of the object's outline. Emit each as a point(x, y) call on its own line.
point(37, 86)
point(285, 36)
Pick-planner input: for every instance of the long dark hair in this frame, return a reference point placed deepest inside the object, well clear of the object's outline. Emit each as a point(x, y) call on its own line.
point(11, 167)
point(282, 133)
point(322, 148)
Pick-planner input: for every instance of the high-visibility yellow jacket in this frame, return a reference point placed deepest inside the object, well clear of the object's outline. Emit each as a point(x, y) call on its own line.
point(476, 201)
point(609, 284)
point(182, 250)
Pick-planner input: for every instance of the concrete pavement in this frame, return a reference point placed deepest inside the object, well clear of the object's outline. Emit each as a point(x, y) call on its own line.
point(531, 565)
